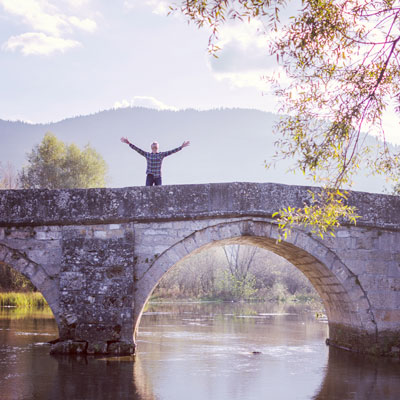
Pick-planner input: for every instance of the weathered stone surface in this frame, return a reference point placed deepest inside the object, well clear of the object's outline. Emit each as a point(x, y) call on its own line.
point(385, 343)
point(97, 254)
point(121, 348)
point(114, 206)
point(69, 347)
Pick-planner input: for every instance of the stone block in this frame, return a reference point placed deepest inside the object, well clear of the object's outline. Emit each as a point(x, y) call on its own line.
point(121, 348)
point(115, 234)
point(71, 319)
point(52, 270)
point(4, 251)
point(71, 281)
point(156, 240)
point(114, 226)
point(2, 233)
point(69, 347)
point(157, 232)
point(42, 256)
point(39, 278)
point(97, 348)
point(339, 270)
point(97, 252)
point(19, 264)
point(387, 319)
point(20, 233)
point(362, 304)
point(308, 244)
point(190, 245)
point(376, 267)
point(180, 250)
point(30, 270)
point(393, 269)
point(383, 299)
point(94, 332)
point(343, 233)
point(394, 284)
point(74, 231)
point(261, 229)
point(100, 234)
point(48, 234)
point(389, 241)
point(328, 280)
point(51, 292)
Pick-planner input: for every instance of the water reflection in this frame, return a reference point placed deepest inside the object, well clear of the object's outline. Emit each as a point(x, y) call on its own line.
point(197, 351)
point(356, 377)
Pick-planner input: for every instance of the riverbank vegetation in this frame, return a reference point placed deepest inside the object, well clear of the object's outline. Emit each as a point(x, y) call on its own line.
point(18, 291)
point(236, 273)
point(22, 300)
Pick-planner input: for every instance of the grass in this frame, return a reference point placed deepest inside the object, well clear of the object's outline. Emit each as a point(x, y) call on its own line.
point(26, 300)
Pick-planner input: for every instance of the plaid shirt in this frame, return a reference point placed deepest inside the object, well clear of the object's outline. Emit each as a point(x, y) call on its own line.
point(154, 160)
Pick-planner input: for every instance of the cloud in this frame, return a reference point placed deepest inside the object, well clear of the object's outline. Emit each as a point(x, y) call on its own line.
point(49, 24)
point(244, 58)
point(38, 43)
point(144, 101)
point(78, 3)
point(39, 14)
point(159, 7)
point(85, 24)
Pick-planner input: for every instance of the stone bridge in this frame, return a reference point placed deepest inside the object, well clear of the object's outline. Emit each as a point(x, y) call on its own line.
point(96, 255)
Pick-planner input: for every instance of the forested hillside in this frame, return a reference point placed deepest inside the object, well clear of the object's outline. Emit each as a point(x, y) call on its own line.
point(226, 145)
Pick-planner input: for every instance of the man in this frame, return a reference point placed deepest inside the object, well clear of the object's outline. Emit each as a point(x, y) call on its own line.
point(154, 160)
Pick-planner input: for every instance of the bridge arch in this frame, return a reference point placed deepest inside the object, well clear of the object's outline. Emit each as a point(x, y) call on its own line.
point(35, 273)
point(346, 303)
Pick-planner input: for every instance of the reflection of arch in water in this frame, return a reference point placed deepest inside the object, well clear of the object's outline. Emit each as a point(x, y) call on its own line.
point(35, 273)
point(114, 377)
point(344, 300)
point(142, 381)
point(354, 376)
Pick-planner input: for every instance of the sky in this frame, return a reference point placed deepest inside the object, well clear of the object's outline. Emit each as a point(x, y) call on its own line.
point(63, 58)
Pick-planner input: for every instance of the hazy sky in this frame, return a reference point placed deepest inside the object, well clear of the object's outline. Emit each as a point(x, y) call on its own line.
point(62, 58)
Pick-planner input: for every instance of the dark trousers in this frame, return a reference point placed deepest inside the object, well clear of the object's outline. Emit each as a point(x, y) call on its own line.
point(152, 180)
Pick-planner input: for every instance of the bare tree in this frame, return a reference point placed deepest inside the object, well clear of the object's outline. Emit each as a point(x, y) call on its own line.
point(8, 176)
point(240, 259)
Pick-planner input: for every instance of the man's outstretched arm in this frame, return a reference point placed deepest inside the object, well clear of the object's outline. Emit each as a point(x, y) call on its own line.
point(132, 146)
point(168, 153)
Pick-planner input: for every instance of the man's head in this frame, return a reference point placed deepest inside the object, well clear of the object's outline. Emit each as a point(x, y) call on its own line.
point(154, 147)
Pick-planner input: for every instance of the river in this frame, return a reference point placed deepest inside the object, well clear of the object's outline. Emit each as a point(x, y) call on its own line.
point(196, 351)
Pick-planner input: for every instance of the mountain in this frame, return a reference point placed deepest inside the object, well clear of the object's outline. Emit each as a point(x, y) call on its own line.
point(226, 145)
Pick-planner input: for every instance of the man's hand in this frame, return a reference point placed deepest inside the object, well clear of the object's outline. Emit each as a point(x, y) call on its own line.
point(124, 140)
point(185, 144)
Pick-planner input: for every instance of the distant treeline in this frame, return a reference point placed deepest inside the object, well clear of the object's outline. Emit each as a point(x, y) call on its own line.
point(235, 273)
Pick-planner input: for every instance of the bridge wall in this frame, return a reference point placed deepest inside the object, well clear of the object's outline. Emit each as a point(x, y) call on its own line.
point(96, 255)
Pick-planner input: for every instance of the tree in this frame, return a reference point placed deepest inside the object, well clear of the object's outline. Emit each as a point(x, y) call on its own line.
point(240, 259)
point(342, 61)
point(238, 282)
point(55, 165)
point(8, 176)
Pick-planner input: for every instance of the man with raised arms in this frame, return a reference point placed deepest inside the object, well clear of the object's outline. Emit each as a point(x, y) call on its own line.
point(154, 160)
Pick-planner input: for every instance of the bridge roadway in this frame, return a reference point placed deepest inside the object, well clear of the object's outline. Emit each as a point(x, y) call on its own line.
point(97, 254)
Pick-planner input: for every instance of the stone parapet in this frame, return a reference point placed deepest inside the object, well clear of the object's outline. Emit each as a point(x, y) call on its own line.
point(171, 203)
